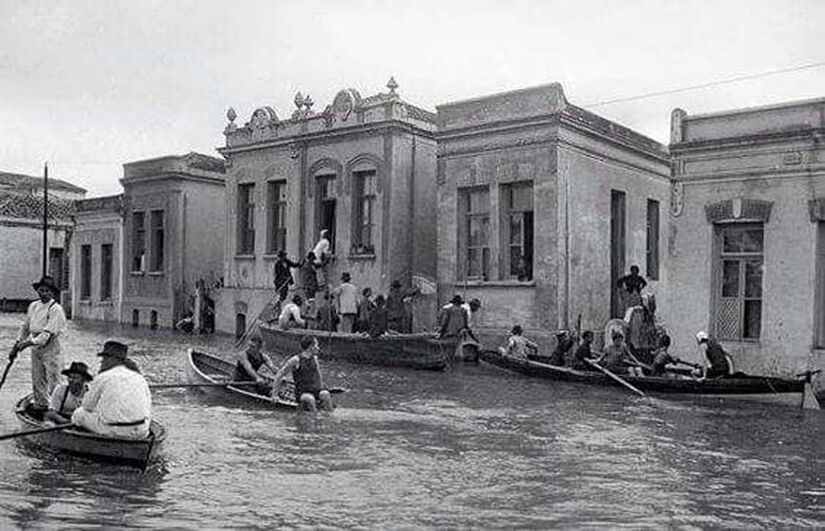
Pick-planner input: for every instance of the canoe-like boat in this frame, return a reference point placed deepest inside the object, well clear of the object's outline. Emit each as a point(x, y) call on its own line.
point(417, 351)
point(77, 441)
point(205, 368)
point(758, 388)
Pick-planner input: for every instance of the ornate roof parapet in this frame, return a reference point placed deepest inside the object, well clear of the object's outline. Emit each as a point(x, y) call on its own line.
point(191, 164)
point(346, 110)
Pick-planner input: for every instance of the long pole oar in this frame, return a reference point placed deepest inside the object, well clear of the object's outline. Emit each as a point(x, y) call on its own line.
point(12, 357)
point(36, 431)
point(614, 377)
point(333, 390)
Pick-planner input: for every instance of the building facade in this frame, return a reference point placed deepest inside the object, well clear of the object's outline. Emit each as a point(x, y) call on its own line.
point(747, 236)
point(96, 258)
point(542, 206)
point(21, 236)
point(173, 235)
point(363, 169)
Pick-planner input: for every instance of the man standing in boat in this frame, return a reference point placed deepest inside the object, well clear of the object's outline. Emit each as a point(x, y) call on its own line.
point(398, 314)
point(310, 392)
point(347, 295)
point(631, 286)
point(118, 403)
point(69, 396)
point(41, 330)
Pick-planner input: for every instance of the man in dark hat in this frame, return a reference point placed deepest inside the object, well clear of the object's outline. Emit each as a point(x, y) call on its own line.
point(41, 330)
point(282, 274)
point(118, 402)
point(69, 396)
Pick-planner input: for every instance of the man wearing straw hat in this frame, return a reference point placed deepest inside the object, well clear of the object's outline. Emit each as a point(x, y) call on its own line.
point(69, 396)
point(41, 331)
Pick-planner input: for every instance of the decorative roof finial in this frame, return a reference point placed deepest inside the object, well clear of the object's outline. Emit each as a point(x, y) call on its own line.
point(299, 100)
point(392, 85)
point(308, 103)
point(231, 114)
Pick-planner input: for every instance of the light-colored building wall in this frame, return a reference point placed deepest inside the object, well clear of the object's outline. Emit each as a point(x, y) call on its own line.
point(21, 258)
point(765, 166)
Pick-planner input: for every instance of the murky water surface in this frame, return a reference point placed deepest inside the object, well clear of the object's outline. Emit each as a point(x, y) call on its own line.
point(473, 447)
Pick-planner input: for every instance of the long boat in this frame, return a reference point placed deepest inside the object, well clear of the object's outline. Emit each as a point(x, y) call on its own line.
point(205, 368)
point(758, 388)
point(77, 441)
point(417, 351)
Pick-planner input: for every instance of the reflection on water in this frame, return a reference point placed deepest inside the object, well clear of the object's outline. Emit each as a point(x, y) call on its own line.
point(474, 447)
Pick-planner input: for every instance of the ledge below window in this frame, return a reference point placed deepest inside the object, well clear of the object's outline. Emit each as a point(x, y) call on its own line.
point(137, 273)
point(495, 283)
point(356, 257)
point(85, 302)
point(156, 273)
point(244, 257)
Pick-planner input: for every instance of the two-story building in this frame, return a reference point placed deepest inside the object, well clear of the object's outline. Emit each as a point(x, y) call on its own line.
point(173, 235)
point(543, 206)
point(746, 243)
point(363, 169)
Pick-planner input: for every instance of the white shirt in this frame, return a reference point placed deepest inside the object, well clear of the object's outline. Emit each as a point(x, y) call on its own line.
point(70, 403)
point(42, 317)
point(347, 298)
point(466, 307)
point(321, 248)
point(290, 309)
point(118, 395)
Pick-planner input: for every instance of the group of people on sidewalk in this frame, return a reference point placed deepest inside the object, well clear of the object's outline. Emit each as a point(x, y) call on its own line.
point(116, 402)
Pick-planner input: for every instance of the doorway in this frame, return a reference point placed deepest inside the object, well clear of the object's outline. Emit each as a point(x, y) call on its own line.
point(617, 249)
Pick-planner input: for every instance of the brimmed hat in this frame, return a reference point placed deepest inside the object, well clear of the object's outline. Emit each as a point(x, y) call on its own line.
point(78, 367)
point(114, 349)
point(49, 283)
point(457, 299)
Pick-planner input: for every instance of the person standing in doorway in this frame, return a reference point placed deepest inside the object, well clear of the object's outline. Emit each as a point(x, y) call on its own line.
point(631, 286)
point(41, 330)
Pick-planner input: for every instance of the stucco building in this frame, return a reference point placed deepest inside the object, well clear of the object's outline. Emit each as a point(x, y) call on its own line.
point(542, 206)
point(21, 235)
point(96, 258)
point(173, 235)
point(364, 169)
point(747, 235)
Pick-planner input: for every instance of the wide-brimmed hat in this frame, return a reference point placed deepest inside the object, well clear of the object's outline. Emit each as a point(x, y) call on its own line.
point(114, 349)
point(78, 367)
point(49, 283)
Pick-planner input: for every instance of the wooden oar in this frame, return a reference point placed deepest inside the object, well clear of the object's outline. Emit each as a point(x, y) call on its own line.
point(58, 427)
point(12, 357)
point(614, 377)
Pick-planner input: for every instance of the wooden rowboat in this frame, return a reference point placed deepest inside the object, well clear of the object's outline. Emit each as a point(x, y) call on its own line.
point(204, 368)
point(417, 351)
point(757, 388)
point(78, 441)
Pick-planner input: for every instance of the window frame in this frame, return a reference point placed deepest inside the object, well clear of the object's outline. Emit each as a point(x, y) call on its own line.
point(86, 272)
point(277, 223)
point(157, 234)
point(509, 212)
point(652, 243)
point(743, 258)
point(106, 271)
point(364, 196)
point(467, 217)
point(245, 242)
point(138, 242)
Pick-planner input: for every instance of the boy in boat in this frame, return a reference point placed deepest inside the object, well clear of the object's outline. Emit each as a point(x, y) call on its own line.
point(616, 357)
point(118, 402)
point(250, 362)
point(310, 392)
point(517, 345)
point(290, 316)
point(718, 361)
point(69, 396)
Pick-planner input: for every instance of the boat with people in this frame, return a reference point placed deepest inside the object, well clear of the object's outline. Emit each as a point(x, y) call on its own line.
point(77, 441)
point(758, 388)
point(416, 351)
point(209, 372)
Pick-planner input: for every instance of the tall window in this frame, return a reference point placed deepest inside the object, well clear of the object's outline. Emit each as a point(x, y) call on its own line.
point(157, 240)
point(246, 219)
point(819, 311)
point(652, 239)
point(364, 212)
point(475, 236)
point(517, 204)
point(739, 286)
point(85, 272)
point(326, 207)
point(276, 198)
point(106, 263)
point(138, 241)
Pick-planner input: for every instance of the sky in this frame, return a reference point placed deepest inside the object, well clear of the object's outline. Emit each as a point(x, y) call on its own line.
point(91, 85)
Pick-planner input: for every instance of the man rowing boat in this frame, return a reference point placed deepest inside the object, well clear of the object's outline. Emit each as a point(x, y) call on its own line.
point(250, 362)
point(310, 392)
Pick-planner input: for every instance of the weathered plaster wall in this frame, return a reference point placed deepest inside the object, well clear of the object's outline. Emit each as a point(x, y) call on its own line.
point(96, 230)
point(21, 258)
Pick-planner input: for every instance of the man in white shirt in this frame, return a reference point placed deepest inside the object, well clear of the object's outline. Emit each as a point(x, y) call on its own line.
point(347, 295)
point(290, 316)
point(118, 402)
point(67, 397)
point(322, 257)
point(45, 322)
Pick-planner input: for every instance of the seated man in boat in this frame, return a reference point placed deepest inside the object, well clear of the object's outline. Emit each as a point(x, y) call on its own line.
point(378, 320)
point(250, 362)
point(326, 316)
point(290, 316)
point(310, 392)
point(453, 320)
point(564, 342)
point(517, 345)
point(616, 357)
point(718, 361)
point(583, 353)
point(67, 397)
point(118, 402)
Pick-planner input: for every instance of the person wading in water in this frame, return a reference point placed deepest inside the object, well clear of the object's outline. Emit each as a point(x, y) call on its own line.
point(310, 392)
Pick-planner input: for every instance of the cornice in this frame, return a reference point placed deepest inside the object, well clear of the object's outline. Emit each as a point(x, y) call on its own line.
point(811, 135)
point(174, 176)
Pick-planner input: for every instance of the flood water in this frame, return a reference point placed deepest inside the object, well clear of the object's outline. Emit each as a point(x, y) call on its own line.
point(472, 447)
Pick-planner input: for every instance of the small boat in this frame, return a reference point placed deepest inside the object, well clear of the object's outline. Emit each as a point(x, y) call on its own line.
point(78, 441)
point(204, 368)
point(417, 351)
point(757, 388)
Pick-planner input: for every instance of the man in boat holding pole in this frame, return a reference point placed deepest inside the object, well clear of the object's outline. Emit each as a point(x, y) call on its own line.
point(310, 392)
point(250, 362)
